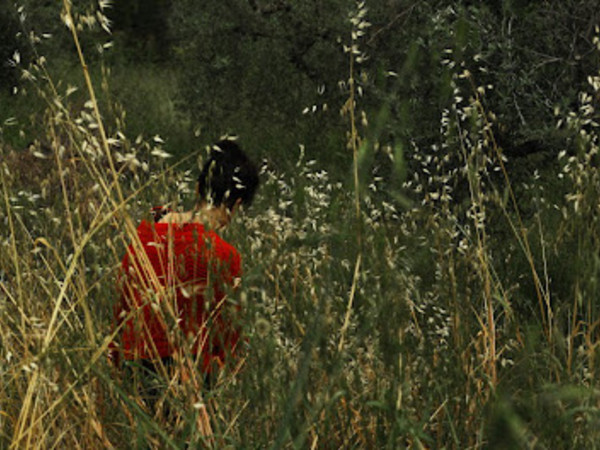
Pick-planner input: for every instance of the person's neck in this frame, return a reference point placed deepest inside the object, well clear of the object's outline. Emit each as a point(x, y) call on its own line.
point(212, 217)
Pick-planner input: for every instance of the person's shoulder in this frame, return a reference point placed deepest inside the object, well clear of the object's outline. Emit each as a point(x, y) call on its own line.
point(145, 226)
point(221, 245)
point(149, 231)
point(226, 253)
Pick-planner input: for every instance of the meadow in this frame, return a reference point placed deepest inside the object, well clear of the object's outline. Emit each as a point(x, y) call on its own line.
point(438, 297)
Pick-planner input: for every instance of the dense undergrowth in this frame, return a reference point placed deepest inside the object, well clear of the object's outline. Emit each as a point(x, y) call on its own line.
point(425, 300)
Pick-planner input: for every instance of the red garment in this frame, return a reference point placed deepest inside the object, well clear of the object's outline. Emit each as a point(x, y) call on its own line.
point(191, 270)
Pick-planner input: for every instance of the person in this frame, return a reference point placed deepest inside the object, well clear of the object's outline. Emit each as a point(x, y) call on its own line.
point(173, 304)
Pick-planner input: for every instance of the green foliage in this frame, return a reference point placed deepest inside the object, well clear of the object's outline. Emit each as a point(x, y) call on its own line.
point(8, 46)
point(264, 61)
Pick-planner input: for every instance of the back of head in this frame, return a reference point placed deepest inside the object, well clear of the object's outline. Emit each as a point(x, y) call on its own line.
point(228, 176)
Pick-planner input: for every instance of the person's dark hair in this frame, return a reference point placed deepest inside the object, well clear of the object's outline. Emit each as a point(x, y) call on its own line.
point(228, 176)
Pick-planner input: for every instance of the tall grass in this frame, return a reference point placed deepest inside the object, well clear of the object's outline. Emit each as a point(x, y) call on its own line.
point(463, 317)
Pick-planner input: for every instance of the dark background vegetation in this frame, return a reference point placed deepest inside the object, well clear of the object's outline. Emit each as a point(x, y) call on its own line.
point(418, 368)
point(251, 67)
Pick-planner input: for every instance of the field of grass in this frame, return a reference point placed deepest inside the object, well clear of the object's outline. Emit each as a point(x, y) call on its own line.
point(426, 300)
